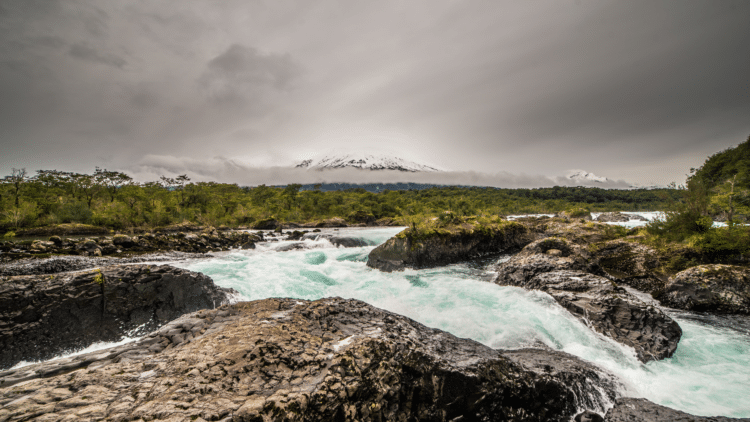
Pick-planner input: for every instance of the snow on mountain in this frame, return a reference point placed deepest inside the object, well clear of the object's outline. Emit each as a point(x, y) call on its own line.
point(582, 176)
point(365, 162)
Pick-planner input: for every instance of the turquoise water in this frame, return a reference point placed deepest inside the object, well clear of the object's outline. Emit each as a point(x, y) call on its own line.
point(708, 375)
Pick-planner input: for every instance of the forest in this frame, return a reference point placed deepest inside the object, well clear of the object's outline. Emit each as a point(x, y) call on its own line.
point(114, 200)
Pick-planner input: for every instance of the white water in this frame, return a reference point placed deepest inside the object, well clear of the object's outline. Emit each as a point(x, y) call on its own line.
point(95, 347)
point(708, 375)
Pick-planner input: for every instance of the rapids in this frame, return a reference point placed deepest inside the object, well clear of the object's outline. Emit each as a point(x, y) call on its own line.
point(708, 375)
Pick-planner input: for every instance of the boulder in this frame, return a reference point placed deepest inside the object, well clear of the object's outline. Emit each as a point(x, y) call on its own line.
point(447, 246)
point(42, 316)
point(716, 288)
point(89, 246)
point(288, 359)
point(631, 264)
point(266, 224)
point(541, 256)
point(633, 409)
point(123, 241)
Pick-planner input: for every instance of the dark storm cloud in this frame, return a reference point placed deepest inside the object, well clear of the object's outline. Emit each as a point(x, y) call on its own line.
point(241, 72)
point(636, 90)
point(83, 52)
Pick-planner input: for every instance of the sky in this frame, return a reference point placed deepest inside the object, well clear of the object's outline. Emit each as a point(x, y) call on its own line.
point(503, 93)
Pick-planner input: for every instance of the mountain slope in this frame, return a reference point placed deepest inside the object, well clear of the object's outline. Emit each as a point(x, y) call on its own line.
point(584, 176)
point(365, 162)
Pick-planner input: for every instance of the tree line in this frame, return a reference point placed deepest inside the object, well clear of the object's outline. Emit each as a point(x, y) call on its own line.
point(113, 199)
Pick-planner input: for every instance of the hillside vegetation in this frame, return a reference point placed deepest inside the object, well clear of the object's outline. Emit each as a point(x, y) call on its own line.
point(719, 189)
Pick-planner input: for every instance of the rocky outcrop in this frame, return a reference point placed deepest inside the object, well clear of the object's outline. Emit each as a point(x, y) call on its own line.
point(632, 409)
point(121, 244)
point(610, 310)
point(631, 264)
point(415, 249)
point(286, 359)
point(563, 270)
point(715, 288)
point(339, 241)
point(41, 316)
point(618, 217)
point(542, 256)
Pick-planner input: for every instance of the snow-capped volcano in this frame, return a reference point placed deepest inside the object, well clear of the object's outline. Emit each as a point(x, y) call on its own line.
point(582, 176)
point(365, 162)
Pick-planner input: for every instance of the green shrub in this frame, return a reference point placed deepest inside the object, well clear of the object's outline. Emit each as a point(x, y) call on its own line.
point(74, 212)
point(679, 225)
point(578, 213)
point(721, 243)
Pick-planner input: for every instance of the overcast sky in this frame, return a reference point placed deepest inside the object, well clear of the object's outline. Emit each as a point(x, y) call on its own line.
point(512, 93)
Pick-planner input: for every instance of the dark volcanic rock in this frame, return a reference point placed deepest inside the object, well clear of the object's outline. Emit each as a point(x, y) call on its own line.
point(266, 224)
point(285, 359)
point(342, 241)
point(41, 316)
point(710, 288)
point(541, 256)
point(610, 310)
point(642, 410)
point(631, 264)
point(442, 248)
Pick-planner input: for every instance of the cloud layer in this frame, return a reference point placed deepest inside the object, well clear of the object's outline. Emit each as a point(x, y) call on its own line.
point(636, 90)
point(226, 170)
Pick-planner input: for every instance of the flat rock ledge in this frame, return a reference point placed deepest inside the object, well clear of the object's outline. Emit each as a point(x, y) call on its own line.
point(292, 360)
point(42, 316)
point(720, 289)
point(560, 268)
point(437, 249)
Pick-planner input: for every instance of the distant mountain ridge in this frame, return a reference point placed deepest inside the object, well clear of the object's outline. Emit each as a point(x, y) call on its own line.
point(365, 162)
point(584, 176)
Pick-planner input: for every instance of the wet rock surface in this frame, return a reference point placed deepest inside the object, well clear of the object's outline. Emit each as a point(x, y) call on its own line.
point(339, 241)
point(41, 316)
point(285, 359)
point(544, 255)
point(612, 311)
point(631, 264)
point(619, 217)
point(721, 289)
point(564, 271)
point(642, 410)
point(437, 249)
